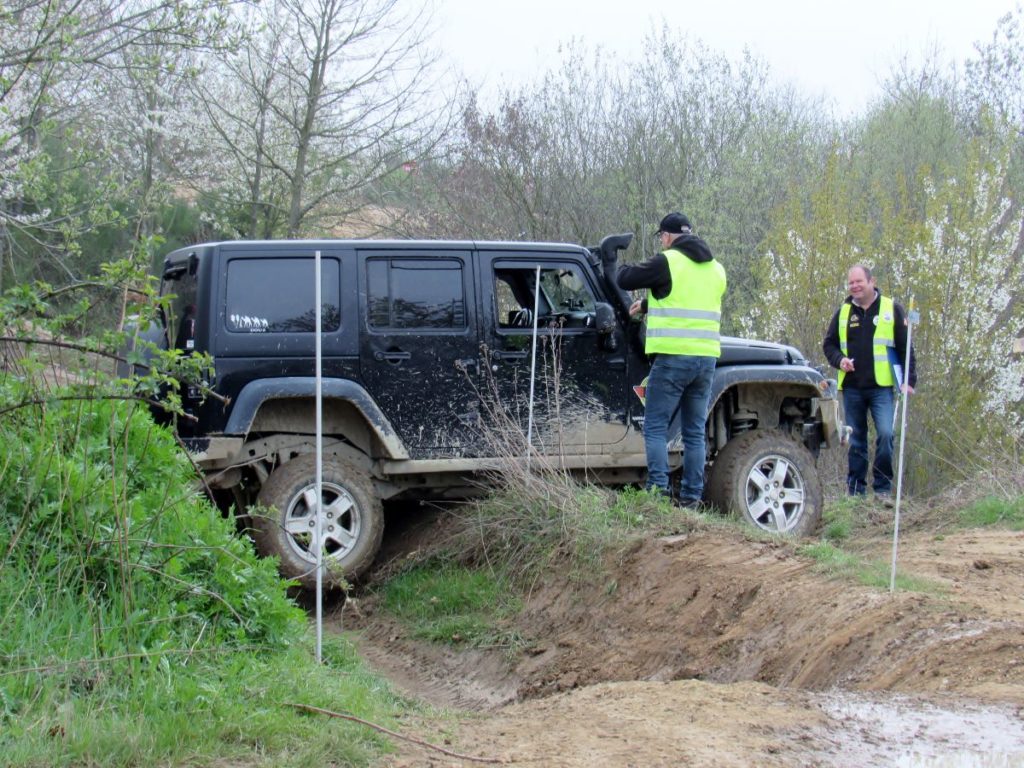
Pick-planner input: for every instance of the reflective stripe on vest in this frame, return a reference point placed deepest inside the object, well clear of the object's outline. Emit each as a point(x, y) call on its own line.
point(883, 337)
point(688, 320)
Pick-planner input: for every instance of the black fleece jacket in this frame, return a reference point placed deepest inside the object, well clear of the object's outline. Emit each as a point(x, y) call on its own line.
point(860, 335)
point(655, 274)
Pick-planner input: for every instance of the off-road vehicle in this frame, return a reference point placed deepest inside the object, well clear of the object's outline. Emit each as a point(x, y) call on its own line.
point(419, 340)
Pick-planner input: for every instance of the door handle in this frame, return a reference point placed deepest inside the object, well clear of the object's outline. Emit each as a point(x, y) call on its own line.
point(499, 354)
point(391, 357)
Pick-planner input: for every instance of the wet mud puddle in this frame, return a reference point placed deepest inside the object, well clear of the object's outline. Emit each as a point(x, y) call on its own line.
point(906, 732)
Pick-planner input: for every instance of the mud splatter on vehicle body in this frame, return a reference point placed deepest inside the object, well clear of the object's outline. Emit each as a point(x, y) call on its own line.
point(423, 343)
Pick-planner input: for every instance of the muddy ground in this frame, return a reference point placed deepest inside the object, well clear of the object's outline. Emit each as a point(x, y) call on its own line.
point(709, 649)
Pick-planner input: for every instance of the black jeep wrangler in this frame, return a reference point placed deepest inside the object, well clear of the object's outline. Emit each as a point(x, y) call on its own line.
point(419, 340)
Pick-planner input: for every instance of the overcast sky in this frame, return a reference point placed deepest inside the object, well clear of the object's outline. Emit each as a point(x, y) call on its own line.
point(842, 50)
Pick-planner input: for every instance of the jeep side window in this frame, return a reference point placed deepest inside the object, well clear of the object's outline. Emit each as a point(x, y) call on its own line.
point(566, 290)
point(562, 291)
point(511, 310)
point(415, 294)
point(277, 295)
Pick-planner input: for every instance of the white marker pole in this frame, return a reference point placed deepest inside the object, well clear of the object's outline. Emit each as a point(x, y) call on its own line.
point(911, 319)
point(319, 527)
point(533, 371)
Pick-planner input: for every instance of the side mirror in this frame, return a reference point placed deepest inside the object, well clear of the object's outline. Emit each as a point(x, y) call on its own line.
point(604, 318)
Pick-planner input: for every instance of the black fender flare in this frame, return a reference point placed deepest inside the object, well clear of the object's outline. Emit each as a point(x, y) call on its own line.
point(259, 391)
point(726, 378)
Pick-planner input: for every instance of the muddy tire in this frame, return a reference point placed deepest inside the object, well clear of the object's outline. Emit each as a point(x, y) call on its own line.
point(769, 480)
point(355, 521)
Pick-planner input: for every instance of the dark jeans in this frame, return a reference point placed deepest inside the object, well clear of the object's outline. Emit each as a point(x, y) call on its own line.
point(678, 383)
point(880, 401)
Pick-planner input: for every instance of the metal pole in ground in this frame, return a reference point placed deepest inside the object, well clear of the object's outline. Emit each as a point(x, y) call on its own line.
point(533, 372)
point(912, 317)
point(318, 536)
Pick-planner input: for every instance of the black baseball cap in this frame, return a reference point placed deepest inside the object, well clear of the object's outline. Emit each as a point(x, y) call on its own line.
point(674, 223)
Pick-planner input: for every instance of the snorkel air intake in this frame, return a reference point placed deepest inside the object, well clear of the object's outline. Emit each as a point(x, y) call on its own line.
point(609, 250)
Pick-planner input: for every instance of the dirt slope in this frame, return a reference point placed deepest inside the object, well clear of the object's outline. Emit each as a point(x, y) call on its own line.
point(708, 649)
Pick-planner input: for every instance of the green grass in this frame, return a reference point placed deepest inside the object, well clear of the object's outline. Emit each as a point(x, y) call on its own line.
point(638, 510)
point(839, 518)
point(231, 708)
point(993, 511)
point(138, 628)
point(839, 564)
point(448, 603)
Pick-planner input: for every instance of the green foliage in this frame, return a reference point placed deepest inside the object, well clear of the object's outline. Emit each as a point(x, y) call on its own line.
point(448, 603)
point(126, 597)
point(995, 511)
point(98, 507)
point(133, 612)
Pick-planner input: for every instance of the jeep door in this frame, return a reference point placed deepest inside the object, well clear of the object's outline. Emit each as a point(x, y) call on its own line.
point(580, 391)
point(418, 334)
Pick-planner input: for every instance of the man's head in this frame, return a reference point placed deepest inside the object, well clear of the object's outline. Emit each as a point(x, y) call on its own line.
point(861, 284)
point(672, 226)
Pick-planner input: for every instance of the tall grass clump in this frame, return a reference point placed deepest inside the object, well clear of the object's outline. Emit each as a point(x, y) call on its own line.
point(537, 514)
point(138, 628)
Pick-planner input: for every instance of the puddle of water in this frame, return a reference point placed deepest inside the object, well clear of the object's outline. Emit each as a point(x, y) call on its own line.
point(907, 732)
point(966, 760)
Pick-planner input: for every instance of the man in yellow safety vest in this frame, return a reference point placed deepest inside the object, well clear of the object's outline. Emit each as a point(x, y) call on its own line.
point(684, 312)
point(867, 341)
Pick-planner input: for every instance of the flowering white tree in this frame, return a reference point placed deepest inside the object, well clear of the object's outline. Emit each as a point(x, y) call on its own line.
point(329, 96)
point(62, 62)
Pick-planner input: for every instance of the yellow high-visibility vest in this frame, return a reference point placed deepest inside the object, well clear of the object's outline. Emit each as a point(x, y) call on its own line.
point(687, 321)
point(883, 339)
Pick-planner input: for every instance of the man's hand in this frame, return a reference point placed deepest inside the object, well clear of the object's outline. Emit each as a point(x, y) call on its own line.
point(846, 364)
point(907, 389)
point(636, 307)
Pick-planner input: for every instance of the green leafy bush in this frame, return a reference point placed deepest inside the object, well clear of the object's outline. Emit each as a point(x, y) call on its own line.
point(112, 563)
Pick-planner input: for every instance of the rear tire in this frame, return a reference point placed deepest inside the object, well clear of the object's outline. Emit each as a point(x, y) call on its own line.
point(770, 480)
point(355, 521)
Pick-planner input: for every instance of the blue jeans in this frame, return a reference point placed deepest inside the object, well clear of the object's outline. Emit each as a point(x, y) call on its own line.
point(679, 386)
point(881, 402)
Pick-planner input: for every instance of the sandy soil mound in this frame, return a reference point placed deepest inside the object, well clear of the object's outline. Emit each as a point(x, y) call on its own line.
point(709, 649)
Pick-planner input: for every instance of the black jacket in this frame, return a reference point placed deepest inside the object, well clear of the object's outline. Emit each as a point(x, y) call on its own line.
point(655, 274)
point(860, 333)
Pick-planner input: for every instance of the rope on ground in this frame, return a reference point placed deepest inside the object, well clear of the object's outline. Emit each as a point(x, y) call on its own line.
point(382, 729)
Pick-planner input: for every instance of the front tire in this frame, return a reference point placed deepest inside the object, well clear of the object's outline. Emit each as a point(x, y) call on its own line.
point(770, 480)
point(354, 524)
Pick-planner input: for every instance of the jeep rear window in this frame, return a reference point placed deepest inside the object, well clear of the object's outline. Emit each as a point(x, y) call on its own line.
point(181, 286)
point(277, 295)
point(415, 294)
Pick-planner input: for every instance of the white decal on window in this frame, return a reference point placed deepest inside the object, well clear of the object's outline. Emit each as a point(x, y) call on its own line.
point(251, 324)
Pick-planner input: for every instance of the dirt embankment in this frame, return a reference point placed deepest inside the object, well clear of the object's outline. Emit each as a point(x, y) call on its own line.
point(708, 649)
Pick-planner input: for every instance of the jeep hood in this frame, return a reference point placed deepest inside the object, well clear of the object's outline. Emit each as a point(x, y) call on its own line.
point(736, 351)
